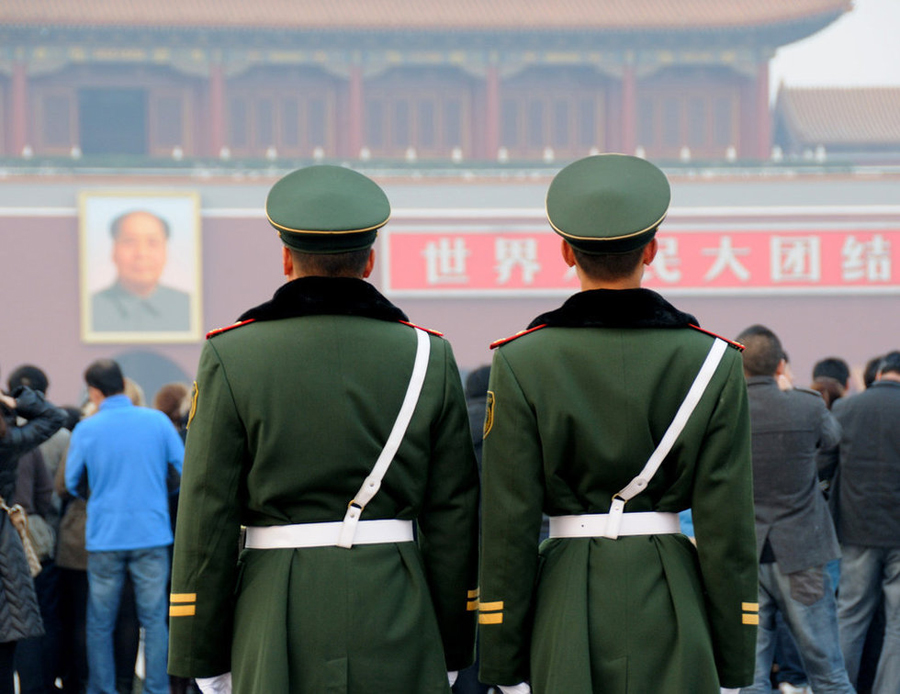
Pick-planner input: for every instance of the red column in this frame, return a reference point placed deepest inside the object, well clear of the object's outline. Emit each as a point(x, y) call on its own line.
point(19, 108)
point(355, 137)
point(216, 109)
point(492, 113)
point(629, 109)
point(763, 143)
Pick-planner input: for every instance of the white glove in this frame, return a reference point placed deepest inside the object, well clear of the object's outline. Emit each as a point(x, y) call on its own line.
point(452, 675)
point(520, 688)
point(220, 684)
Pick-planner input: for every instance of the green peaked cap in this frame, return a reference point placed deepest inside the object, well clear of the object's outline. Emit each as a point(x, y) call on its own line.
point(327, 209)
point(608, 203)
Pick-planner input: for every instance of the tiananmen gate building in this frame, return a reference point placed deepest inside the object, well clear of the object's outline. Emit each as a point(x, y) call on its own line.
point(514, 80)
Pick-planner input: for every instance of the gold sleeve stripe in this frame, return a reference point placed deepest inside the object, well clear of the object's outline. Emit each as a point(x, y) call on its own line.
point(182, 610)
point(491, 606)
point(472, 605)
point(492, 618)
point(750, 619)
point(474, 593)
point(183, 597)
point(750, 606)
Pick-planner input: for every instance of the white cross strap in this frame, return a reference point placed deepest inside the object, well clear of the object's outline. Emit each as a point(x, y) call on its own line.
point(639, 483)
point(372, 483)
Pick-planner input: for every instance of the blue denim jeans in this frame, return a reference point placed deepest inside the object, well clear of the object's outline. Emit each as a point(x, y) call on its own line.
point(149, 570)
point(866, 573)
point(810, 612)
point(790, 665)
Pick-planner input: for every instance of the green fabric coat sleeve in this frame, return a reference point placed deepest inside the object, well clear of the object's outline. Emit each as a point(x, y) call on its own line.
point(511, 517)
point(448, 524)
point(204, 569)
point(723, 514)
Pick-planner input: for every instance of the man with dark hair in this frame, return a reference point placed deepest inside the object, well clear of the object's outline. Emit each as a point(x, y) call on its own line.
point(28, 375)
point(137, 301)
point(616, 398)
point(55, 447)
point(322, 396)
point(794, 532)
point(124, 454)
point(831, 379)
point(833, 367)
point(870, 373)
point(866, 493)
point(105, 376)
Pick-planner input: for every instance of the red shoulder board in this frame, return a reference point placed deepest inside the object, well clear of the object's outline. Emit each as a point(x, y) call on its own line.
point(737, 345)
point(519, 334)
point(427, 330)
point(219, 331)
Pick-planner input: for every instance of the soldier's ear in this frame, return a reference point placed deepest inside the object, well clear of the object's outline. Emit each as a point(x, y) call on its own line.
point(567, 254)
point(287, 261)
point(650, 251)
point(370, 264)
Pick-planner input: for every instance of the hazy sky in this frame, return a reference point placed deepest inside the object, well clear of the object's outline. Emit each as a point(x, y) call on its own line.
point(859, 49)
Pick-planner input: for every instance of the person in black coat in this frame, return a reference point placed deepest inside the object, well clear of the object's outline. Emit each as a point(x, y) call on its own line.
point(19, 613)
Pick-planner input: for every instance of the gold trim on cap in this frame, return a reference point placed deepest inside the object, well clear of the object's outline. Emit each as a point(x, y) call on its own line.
point(601, 240)
point(325, 231)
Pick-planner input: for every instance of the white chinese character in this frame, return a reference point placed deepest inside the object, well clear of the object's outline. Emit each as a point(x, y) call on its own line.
point(871, 260)
point(726, 259)
point(796, 259)
point(445, 261)
point(665, 266)
point(512, 252)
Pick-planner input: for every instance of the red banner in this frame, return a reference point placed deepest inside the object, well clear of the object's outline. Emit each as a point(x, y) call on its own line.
point(764, 260)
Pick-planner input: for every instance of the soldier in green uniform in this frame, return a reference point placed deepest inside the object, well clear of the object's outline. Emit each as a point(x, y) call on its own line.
point(337, 432)
point(582, 425)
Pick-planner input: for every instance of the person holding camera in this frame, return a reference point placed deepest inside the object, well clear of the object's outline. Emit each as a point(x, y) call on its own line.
point(21, 617)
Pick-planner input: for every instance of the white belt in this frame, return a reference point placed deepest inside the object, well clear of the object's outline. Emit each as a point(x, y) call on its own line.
point(371, 532)
point(595, 524)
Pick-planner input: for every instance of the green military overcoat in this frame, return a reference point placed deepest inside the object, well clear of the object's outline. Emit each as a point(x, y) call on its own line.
point(575, 410)
point(291, 411)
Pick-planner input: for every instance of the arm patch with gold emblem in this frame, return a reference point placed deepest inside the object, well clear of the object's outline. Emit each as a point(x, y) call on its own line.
point(488, 415)
point(195, 392)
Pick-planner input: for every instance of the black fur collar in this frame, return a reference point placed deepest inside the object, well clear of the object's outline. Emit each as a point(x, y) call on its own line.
point(321, 296)
point(615, 308)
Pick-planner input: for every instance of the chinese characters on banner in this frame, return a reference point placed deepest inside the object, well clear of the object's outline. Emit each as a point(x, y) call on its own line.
point(701, 261)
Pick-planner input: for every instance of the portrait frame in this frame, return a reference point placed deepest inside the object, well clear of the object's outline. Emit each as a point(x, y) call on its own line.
point(171, 312)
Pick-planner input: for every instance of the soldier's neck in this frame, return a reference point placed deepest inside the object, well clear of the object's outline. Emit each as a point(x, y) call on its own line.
point(633, 281)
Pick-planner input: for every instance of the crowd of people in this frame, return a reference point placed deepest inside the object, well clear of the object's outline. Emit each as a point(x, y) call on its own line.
point(80, 508)
point(790, 579)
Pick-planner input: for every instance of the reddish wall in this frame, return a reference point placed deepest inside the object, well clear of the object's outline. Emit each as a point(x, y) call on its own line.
point(39, 321)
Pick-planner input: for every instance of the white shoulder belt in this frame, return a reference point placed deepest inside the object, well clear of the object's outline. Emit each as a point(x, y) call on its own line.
point(344, 533)
point(613, 524)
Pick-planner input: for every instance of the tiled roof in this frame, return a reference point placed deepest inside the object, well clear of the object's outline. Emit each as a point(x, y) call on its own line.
point(834, 116)
point(417, 14)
